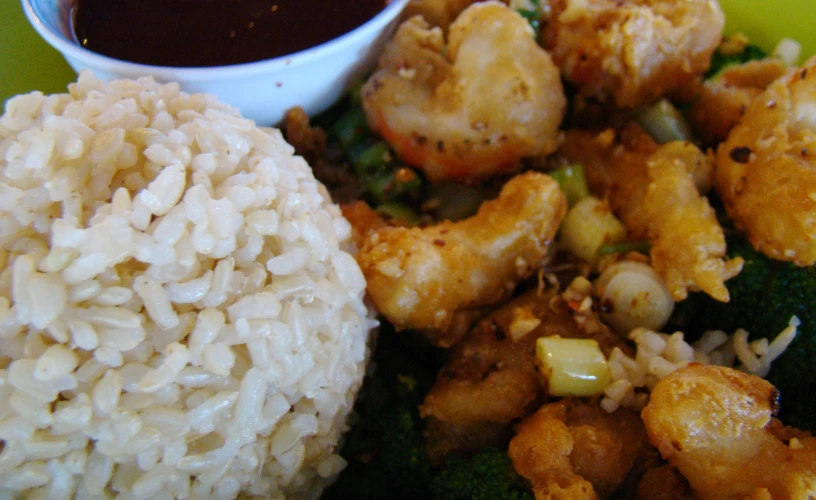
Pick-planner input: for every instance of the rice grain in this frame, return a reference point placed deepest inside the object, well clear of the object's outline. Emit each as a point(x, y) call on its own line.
point(180, 313)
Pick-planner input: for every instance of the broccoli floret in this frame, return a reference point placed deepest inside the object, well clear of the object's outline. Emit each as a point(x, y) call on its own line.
point(764, 296)
point(721, 60)
point(489, 475)
point(385, 450)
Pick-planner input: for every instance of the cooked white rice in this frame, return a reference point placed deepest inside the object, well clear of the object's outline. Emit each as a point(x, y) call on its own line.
point(179, 314)
point(659, 354)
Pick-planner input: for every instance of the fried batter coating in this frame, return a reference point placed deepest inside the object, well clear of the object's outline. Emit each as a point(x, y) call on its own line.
point(437, 12)
point(632, 52)
point(714, 424)
point(491, 376)
point(662, 483)
point(655, 190)
point(721, 102)
point(364, 220)
point(419, 277)
point(766, 169)
point(472, 108)
point(687, 242)
point(574, 450)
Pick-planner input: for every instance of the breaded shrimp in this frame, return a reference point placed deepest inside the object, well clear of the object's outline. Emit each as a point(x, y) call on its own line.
point(437, 12)
point(472, 108)
point(420, 277)
point(766, 169)
point(714, 424)
point(632, 52)
point(491, 378)
point(574, 450)
point(655, 190)
point(721, 102)
point(687, 242)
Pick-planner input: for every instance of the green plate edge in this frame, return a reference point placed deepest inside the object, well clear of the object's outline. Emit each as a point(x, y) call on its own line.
point(28, 63)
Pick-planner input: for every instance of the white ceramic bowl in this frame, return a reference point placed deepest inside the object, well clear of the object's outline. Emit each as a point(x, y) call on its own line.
point(314, 78)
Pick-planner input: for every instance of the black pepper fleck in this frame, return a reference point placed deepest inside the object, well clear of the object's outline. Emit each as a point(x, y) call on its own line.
point(740, 154)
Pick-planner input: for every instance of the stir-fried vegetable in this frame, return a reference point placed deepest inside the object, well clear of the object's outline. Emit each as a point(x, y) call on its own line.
point(733, 51)
point(764, 296)
point(384, 177)
point(588, 226)
point(573, 367)
point(664, 122)
point(572, 180)
point(385, 450)
point(633, 295)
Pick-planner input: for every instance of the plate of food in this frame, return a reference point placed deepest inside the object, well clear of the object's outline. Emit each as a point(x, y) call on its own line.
point(523, 250)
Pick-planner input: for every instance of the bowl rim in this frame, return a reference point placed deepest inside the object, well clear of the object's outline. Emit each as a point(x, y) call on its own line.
point(98, 61)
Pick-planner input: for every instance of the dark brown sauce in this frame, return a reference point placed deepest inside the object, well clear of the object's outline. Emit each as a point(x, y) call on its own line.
point(213, 32)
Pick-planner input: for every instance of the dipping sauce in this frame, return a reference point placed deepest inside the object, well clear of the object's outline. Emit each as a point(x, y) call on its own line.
point(194, 33)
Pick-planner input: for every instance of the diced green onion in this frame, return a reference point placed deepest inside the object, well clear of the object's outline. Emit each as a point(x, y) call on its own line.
point(788, 51)
point(633, 295)
point(351, 128)
point(588, 226)
point(573, 367)
point(572, 180)
point(374, 158)
point(664, 122)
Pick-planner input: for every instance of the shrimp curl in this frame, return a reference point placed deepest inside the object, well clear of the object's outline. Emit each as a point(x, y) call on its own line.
point(473, 108)
point(766, 169)
point(632, 52)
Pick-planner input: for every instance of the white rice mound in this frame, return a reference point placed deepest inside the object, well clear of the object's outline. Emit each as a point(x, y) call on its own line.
point(180, 315)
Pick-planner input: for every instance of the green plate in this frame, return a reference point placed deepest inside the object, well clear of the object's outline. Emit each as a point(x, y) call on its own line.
point(27, 63)
point(767, 21)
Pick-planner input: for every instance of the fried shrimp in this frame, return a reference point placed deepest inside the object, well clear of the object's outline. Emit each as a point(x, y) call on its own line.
point(655, 190)
point(766, 169)
point(687, 242)
point(715, 425)
point(722, 101)
point(632, 52)
point(420, 277)
point(437, 12)
point(473, 108)
point(574, 450)
point(491, 378)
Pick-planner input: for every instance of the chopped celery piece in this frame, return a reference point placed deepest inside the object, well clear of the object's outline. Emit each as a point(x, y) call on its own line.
point(664, 122)
point(572, 181)
point(588, 226)
point(573, 367)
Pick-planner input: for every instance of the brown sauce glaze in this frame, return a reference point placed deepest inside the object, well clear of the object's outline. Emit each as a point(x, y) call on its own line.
point(194, 33)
